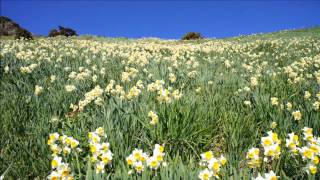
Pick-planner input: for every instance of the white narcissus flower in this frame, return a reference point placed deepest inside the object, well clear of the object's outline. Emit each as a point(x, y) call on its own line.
point(100, 167)
point(271, 176)
point(153, 162)
point(297, 115)
point(259, 177)
point(70, 88)
point(52, 78)
point(154, 117)
point(38, 90)
point(6, 69)
point(138, 166)
point(55, 163)
point(205, 174)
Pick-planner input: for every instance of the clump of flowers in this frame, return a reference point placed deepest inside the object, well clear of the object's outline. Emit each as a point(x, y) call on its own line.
point(134, 92)
point(311, 152)
point(274, 101)
point(60, 170)
point(110, 86)
point(292, 143)
point(273, 125)
point(213, 165)
point(254, 81)
point(166, 96)
point(154, 118)
point(307, 134)
point(316, 105)
point(267, 176)
point(90, 96)
point(100, 150)
point(271, 150)
point(271, 145)
point(6, 69)
point(205, 174)
point(247, 103)
point(81, 75)
point(297, 115)
point(70, 88)
point(38, 90)
point(198, 90)
point(172, 78)
point(139, 160)
point(253, 158)
point(61, 144)
point(129, 74)
point(53, 78)
point(307, 95)
point(117, 90)
point(155, 86)
point(28, 69)
point(289, 106)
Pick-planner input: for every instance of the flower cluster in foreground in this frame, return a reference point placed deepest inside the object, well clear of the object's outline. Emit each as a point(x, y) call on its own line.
point(139, 160)
point(61, 146)
point(267, 176)
point(154, 117)
point(213, 165)
point(310, 153)
point(100, 150)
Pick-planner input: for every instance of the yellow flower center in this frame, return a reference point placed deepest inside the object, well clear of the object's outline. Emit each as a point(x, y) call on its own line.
point(208, 155)
point(153, 164)
point(54, 163)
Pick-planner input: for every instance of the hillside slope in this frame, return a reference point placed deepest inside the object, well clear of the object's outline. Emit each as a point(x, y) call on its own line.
point(230, 105)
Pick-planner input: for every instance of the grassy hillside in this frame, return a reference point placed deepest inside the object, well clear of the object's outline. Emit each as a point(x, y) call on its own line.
point(308, 32)
point(211, 108)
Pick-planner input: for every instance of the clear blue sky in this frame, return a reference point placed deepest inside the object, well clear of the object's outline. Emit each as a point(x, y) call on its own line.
point(164, 19)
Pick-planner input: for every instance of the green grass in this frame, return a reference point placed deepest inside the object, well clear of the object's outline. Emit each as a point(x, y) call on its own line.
point(213, 119)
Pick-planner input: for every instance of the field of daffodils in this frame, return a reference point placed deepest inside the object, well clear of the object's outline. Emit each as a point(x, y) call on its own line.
point(98, 108)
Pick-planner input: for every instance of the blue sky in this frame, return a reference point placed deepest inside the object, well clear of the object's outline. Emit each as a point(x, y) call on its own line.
point(164, 19)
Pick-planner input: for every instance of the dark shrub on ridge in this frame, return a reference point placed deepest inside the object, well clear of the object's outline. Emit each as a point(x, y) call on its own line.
point(23, 33)
point(192, 36)
point(62, 31)
point(11, 28)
